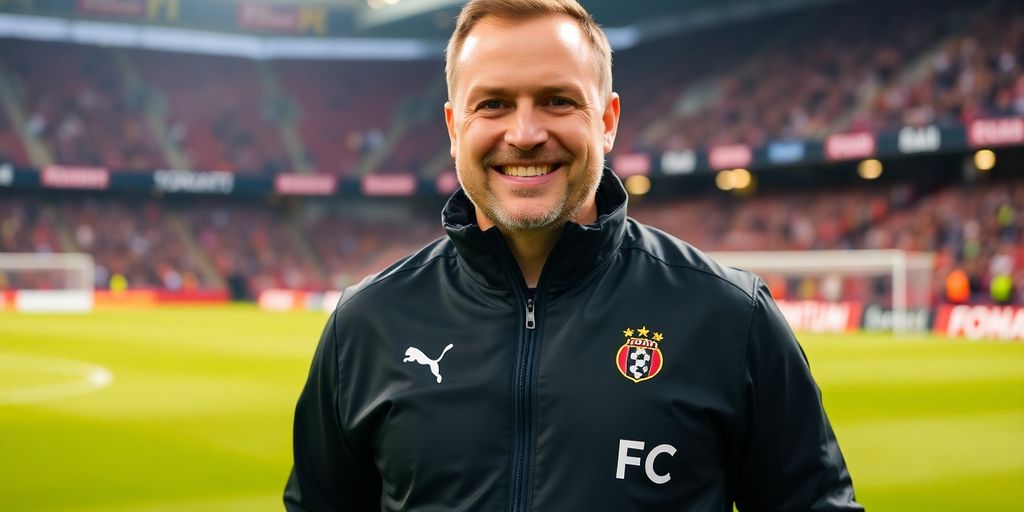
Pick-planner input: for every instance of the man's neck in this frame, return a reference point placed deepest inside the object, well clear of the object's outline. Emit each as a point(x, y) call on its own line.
point(531, 251)
point(532, 248)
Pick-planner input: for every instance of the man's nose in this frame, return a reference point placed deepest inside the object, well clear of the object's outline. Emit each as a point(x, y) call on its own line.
point(527, 130)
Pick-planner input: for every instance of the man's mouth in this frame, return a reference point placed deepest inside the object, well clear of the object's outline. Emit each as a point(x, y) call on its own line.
point(527, 171)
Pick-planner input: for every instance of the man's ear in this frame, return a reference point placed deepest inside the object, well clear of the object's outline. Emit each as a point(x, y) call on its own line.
point(449, 121)
point(610, 122)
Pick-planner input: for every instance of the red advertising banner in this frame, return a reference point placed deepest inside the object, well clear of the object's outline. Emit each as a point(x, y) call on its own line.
point(147, 299)
point(121, 8)
point(849, 146)
point(447, 182)
point(92, 178)
point(981, 322)
point(191, 296)
point(819, 316)
point(261, 16)
point(305, 184)
point(730, 156)
point(995, 132)
point(631, 164)
point(389, 185)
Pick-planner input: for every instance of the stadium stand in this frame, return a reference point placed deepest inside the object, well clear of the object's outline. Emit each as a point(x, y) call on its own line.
point(975, 229)
point(804, 75)
point(75, 100)
point(348, 111)
point(805, 78)
point(130, 237)
point(972, 74)
point(11, 148)
point(217, 112)
point(253, 241)
point(322, 246)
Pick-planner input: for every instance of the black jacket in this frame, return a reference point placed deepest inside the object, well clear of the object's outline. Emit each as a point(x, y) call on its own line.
point(641, 375)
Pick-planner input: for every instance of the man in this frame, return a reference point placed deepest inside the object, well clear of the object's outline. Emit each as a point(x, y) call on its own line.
point(551, 354)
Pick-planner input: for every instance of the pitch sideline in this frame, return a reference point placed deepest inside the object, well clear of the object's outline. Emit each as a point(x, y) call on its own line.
point(91, 377)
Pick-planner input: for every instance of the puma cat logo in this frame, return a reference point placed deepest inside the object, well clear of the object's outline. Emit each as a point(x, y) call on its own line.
point(413, 354)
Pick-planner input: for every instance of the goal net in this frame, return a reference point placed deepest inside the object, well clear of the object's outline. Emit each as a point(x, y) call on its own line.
point(55, 282)
point(889, 289)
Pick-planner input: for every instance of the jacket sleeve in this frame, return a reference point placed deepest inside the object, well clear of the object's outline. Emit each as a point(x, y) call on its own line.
point(329, 473)
point(790, 458)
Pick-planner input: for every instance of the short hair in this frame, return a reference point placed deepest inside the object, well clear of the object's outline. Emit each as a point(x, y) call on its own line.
point(523, 10)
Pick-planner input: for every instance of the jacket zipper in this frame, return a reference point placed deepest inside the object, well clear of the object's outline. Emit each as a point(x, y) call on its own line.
point(523, 397)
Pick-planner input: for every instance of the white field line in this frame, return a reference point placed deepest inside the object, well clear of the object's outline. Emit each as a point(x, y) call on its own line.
point(86, 378)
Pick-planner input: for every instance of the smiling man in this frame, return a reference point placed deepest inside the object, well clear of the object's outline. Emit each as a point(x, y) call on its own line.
point(551, 353)
point(531, 116)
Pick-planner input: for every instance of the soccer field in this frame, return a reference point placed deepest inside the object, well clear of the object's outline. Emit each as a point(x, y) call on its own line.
point(189, 409)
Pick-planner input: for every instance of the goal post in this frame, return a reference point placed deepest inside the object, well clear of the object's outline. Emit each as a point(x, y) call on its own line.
point(46, 282)
point(893, 279)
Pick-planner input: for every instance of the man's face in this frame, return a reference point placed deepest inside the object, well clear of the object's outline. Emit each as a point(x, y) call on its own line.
point(529, 123)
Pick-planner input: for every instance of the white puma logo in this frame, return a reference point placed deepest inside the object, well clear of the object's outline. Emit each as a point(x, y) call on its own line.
point(417, 355)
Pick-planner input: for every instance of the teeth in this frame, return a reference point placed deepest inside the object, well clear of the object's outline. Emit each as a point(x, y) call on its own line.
point(527, 171)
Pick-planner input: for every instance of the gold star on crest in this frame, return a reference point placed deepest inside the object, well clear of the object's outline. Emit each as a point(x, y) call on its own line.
point(643, 331)
point(658, 336)
point(628, 333)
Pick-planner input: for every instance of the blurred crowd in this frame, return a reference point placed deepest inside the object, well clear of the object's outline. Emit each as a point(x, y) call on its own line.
point(974, 230)
point(73, 101)
point(796, 75)
point(799, 74)
point(144, 243)
point(972, 74)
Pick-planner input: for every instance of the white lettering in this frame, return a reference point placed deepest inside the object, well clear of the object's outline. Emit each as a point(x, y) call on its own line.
point(813, 316)
point(977, 322)
point(983, 132)
point(6, 174)
point(57, 176)
point(1001, 327)
point(1017, 329)
point(832, 319)
point(917, 140)
point(877, 318)
point(624, 458)
point(678, 162)
point(649, 463)
point(221, 182)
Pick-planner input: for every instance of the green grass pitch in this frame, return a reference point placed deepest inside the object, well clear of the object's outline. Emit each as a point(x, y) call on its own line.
point(198, 414)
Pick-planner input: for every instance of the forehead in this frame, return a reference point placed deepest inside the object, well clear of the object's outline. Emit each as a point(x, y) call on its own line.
point(556, 26)
point(537, 50)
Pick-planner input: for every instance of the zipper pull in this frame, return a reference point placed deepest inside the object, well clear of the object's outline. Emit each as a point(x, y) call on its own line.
point(531, 320)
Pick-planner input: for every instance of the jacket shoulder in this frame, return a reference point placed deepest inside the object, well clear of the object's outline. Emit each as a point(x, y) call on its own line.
point(674, 253)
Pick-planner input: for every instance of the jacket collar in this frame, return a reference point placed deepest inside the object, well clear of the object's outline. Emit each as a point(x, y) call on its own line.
point(579, 250)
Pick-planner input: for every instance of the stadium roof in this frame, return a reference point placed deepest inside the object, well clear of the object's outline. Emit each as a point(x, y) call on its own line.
point(434, 18)
point(337, 29)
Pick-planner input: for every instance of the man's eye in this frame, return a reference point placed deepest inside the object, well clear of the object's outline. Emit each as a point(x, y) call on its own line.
point(491, 105)
point(558, 101)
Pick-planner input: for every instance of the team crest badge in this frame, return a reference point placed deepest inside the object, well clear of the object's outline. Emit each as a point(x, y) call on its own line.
point(639, 358)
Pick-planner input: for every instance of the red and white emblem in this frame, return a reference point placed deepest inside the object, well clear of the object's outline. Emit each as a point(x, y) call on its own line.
point(639, 358)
